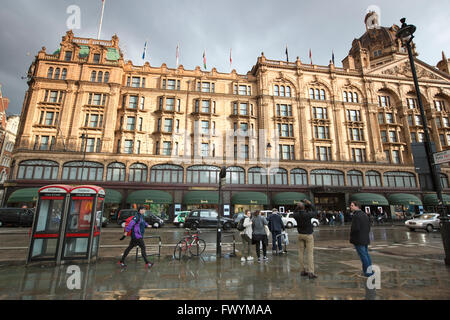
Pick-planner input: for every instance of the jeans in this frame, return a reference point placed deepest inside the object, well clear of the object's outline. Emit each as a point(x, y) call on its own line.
point(274, 240)
point(246, 244)
point(363, 253)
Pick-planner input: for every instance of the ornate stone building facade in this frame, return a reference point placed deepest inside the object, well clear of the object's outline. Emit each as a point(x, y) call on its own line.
point(89, 116)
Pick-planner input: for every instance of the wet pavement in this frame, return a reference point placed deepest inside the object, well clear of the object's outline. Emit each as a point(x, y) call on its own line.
point(411, 268)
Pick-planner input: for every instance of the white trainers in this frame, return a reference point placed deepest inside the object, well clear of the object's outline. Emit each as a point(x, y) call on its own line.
point(249, 258)
point(243, 259)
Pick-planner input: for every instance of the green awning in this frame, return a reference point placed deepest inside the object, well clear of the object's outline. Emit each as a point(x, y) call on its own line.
point(369, 199)
point(84, 51)
point(201, 197)
point(431, 199)
point(113, 196)
point(112, 54)
point(404, 199)
point(24, 195)
point(289, 198)
point(253, 198)
point(150, 196)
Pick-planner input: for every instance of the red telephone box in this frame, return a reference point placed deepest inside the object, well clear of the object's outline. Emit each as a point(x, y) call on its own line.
point(47, 223)
point(67, 223)
point(84, 222)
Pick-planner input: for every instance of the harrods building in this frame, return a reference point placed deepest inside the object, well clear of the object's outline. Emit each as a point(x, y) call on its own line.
point(159, 136)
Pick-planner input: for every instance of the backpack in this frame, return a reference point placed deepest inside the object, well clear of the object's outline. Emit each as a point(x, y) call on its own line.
point(127, 222)
point(240, 225)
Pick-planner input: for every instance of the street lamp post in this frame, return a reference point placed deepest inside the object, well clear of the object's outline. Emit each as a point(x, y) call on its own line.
point(405, 33)
point(222, 177)
point(84, 138)
point(269, 147)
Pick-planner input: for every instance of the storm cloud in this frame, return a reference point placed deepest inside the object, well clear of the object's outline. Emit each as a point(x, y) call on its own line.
point(249, 27)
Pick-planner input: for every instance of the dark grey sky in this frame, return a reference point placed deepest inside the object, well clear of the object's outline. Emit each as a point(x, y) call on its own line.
point(249, 27)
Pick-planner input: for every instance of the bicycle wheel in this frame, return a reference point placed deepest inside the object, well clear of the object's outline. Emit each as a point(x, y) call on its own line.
point(197, 247)
point(180, 249)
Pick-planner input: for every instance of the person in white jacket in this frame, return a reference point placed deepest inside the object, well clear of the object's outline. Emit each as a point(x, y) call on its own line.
point(246, 236)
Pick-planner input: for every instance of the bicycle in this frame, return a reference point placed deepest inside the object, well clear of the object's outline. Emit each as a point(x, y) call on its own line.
point(191, 243)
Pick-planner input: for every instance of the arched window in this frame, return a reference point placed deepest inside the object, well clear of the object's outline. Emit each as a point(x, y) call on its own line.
point(100, 76)
point(345, 96)
point(57, 73)
point(444, 181)
point(38, 169)
point(355, 178)
point(202, 174)
point(257, 175)
point(327, 178)
point(282, 91)
point(355, 97)
point(317, 96)
point(322, 94)
point(166, 173)
point(77, 170)
point(278, 176)
point(288, 91)
point(399, 180)
point(93, 76)
point(299, 177)
point(50, 73)
point(311, 94)
point(235, 175)
point(276, 90)
point(138, 173)
point(350, 96)
point(106, 79)
point(64, 74)
point(373, 179)
point(115, 172)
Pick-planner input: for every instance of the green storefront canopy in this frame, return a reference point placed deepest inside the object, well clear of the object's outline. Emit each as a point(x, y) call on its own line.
point(24, 195)
point(404, 199)
point(150, 196)
point(431, 199)
point(369, 199)
point(201, 197)
point(289, 198)
point(252, 198)
point(112, 196)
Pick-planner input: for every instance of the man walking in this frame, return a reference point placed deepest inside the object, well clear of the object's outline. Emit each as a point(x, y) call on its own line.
point(359, 235)
point(276, 226)
point(137, 226)
point(305, 236)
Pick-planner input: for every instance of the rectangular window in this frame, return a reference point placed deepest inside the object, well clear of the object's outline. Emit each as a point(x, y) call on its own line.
point(322, 132)
point(128, 146)
point(53, 96)
point(138, 147)
point(205, 149)
point(242, 90)
point(96, 58)
point(358, 155)
point(140, 124)
point(206, 106)
point(243, 109)
point(384, 101)
point(94, 118)
point(99, 145)
point(446, 122)
point(393, 136)
point(170, 104)
point(438, 122)
point(171, 84)
point(380, 118)
point(131, 123)
point(411, 103)
point(205, 127)
point(389, 118)
point(44, 143)
point(168, 125)
point(418, 120)
point(323, 153)
point(395, 156)
point(90, 145)
point(135, 82)
point(68, 56)
point(49, 118)
point(320, 113)
point(142, 103)
point(284, 130)
point(244, 151)
point(133, 102)
point(388, 156)
point(167, 148)
point(442, 139)
point(353, 115)
point(384, 136)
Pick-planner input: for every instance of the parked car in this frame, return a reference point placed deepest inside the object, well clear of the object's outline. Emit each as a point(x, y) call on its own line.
point(206, 218)
point(149, 217)
point(290, 222)
point(20, 217)
point(427, 221)
point(180, 218)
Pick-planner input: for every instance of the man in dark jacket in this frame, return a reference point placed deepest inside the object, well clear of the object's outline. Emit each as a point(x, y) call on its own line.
point(276, 226)
point(303, 214)
point(359, 235)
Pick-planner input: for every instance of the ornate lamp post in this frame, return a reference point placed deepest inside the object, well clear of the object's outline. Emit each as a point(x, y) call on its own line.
point(269, 147)
point(405, 33)
point(222, 178)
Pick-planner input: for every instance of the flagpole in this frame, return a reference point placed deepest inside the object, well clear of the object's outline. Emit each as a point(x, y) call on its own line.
point(101, 21)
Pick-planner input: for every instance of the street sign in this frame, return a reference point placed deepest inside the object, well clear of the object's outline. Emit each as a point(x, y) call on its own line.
point(441, 157)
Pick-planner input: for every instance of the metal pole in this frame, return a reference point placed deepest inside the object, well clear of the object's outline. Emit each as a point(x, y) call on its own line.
point(222, 177)
point(445, 225)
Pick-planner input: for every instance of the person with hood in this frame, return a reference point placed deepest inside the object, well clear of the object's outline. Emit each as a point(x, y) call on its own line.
point(276, 226)
point(259, 235)
point(303, 214)
point(359, 235)
point(137, 227)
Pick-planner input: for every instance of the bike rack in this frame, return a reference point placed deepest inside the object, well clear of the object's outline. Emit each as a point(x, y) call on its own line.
point(153, 254)
point(277, 241)
point(233, 254)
